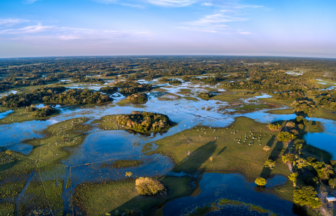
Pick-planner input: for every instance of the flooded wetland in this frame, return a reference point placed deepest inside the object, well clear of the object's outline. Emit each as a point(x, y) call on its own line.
point(211, 141)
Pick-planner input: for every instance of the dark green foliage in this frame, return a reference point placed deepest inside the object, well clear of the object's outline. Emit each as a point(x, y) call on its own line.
point(304, 106)
point(43, 112)
point(29, 82)
point(83, 79)
point(290, 95)
point(76, 97)
point(328, 99)
point(109, 90)
point(145, 122)
point(306, 196)
point(26, 99)
point(138, 98)
point(205, 95)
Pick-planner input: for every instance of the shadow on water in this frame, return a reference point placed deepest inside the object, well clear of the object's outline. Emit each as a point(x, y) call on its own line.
point(191, 164)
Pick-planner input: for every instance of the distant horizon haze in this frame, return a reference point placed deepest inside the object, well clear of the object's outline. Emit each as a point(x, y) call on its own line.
point(50, 28)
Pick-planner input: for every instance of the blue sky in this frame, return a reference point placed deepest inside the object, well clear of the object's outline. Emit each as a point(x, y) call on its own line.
point(31, 28)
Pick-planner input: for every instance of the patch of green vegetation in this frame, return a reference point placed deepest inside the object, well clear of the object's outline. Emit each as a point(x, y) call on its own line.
point(11, 189)
point(246, 107)
point(223, 202)
point(108, 122)
point(202, 211)
point(190, 98)
point(20, 115)
point(48, 150)
point(169, 96)
point(234, 95)
point(123, 163)
point(145, 122)
point(7, 209)
point(281, 111)
point(41, 196)
point(112, 197)
point(147, 147)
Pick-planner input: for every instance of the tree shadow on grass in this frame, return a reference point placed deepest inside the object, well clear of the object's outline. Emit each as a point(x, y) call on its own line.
point(266, 172)
point(191, 165)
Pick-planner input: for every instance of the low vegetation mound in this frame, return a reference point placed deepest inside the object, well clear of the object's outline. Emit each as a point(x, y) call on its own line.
point(41, 112)
point(327, 99)
point(138, 98)
point(289, 95)
point(207, 95)
point(149, 187)
point(304, 106)
point(26, 99)
point(109, 89)
point(145, 122)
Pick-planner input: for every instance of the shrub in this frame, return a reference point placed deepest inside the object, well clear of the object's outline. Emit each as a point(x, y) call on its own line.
point(267, 148)
point(260, 181)
point(274, 127)
point(290, 124)
point(148, 186)
point(293, 177)
point(306, 196)
point(269, 164)
point(109, 90)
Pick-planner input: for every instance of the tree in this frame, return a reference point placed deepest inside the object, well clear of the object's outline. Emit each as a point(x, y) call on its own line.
point(149, 186)
point(269, 164)
point(306, 196)
point(332, 183)
point(260, 181)
point(293, 177)
point(129, 174)
point(285, 136)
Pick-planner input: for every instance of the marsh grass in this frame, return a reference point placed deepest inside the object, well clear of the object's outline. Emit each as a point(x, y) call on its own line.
point(117, 196)
point(20, 115)
point(123, 164)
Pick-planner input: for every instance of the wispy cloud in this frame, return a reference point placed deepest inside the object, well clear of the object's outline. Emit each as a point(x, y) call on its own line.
point(10, 22)
point(172, 3)
point(226, 12)
point(40, 32)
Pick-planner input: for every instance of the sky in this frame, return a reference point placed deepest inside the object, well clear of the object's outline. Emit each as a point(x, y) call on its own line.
point(36, 28)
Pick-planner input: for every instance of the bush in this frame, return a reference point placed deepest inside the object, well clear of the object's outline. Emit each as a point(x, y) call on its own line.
point(269, 164)
point(274, 127)
point(306, 196)
point(267, 148)
point(148, 186)
point(260, 181)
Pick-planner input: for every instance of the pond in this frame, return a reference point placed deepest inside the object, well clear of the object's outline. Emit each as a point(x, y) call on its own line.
point(232, 187)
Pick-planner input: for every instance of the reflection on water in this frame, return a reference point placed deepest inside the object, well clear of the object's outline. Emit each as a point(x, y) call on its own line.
point(216, 186)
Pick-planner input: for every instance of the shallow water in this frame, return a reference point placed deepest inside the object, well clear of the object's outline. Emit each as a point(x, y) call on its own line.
point(90, 161)
point(216, 186)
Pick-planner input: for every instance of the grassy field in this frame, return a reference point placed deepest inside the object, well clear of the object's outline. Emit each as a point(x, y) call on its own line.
point(49, 150)
point(20, 115)
point(209, 153)
point(190, 98)
point(234, 95)
point(247, 107)
point(118, 197)
point(108, 122)
point(281, 111)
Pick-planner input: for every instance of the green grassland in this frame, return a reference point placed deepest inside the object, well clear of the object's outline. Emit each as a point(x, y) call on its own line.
point(224, 153)
point(234, 95)
point(120, 196)
point(20, 115)
point(49, 150)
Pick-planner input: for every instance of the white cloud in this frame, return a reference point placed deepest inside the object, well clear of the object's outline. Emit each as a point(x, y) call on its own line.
point(10, 22)
point(26, 30)
point(226, 12)
point(172, 3)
